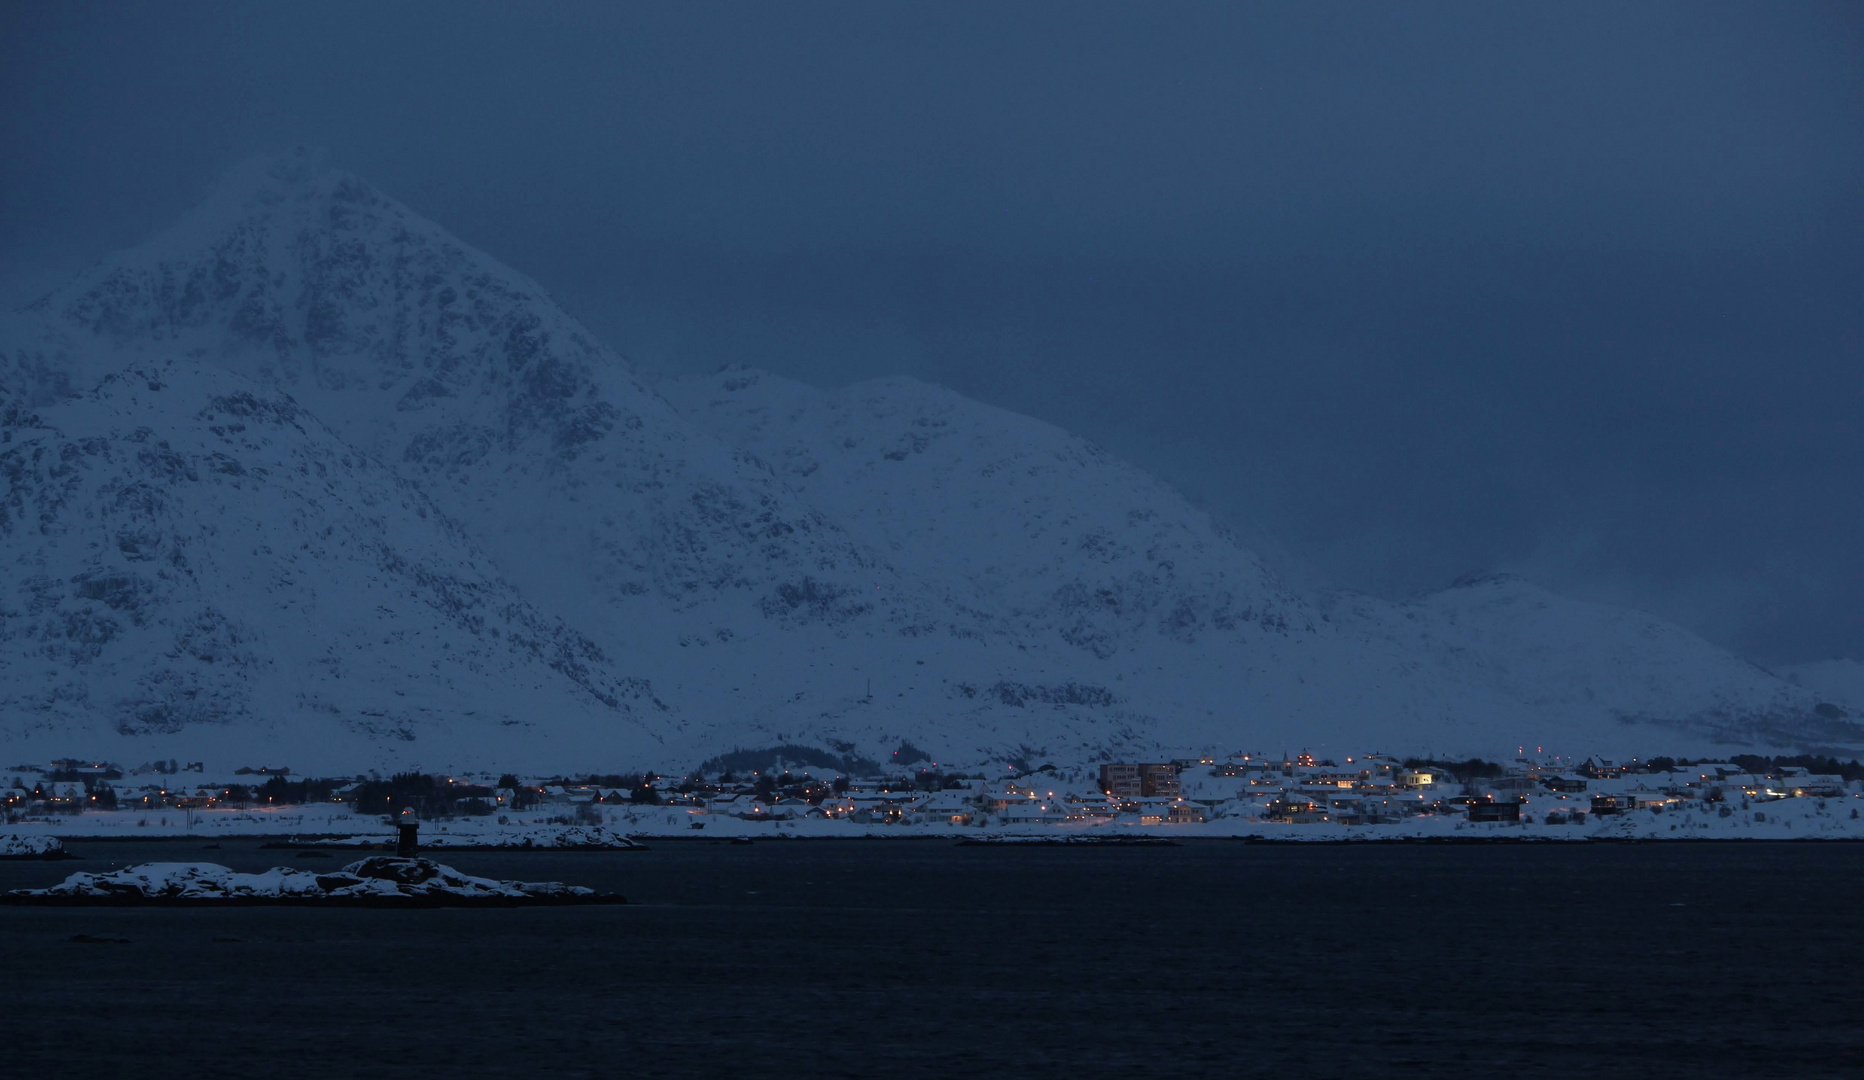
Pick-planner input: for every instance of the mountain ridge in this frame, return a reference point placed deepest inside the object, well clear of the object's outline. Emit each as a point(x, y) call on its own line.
point(857, 569)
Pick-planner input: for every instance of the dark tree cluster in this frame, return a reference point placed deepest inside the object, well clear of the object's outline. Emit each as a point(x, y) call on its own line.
point(1473, 769)
point(278, 791)
point(771, 787)
point(602, 780)
point(523, 796)
point(67, 772)
point(1829, 766)
point(1758, 764)
point(935, 780)
point(428, 796)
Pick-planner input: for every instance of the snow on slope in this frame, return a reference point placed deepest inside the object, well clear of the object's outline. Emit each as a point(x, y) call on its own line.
point(464, 376)
point(1030, 523)
point(1839, 682)
point(1562, 657)
point(194, 565)
point(1049, 533)
point(847, 570)
point(592, 495)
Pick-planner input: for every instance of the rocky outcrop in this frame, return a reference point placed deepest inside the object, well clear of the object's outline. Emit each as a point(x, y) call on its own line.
point(381, 881)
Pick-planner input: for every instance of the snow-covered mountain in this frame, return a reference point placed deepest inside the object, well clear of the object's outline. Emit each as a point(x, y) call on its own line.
point(1034, 525)
point(1050, 534)
point(1569, 661)
point(458, 372)
point(588, 491)
point(738, 560)
point(195, 567)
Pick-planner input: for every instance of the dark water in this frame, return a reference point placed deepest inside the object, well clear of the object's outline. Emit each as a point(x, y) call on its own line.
point(908, 959)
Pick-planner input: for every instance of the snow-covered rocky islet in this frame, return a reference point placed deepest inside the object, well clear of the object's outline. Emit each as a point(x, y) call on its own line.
point(378, 881)
point(17, 846)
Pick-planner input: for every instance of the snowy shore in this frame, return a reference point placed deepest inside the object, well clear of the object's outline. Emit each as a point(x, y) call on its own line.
point(622, 827)
point(379, 881)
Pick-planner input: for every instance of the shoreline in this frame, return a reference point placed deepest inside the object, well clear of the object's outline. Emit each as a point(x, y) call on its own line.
point(299, 842)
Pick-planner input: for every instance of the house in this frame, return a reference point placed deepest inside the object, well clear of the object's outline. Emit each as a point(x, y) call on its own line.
point(1417, 778)
point(60, 789)
point(1380, 767)
point(1611, 804)
point(1297, 810)
point(1363, 812)
point(1561, 783)
point(1120, 780)
point(1495, 811)
point(944, 808)
point(1082, 808)
point(1000, 802)
point(1187, 813)
point(1598, 768)
point(878, 809)
point(1030, 812)
point(1159, 781)
point(1808, 783)
point(1146, 779)
point(728, 804)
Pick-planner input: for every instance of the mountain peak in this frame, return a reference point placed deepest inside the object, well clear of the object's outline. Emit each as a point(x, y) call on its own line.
point(1490, 579)
point(270, 177)
point(295, 274)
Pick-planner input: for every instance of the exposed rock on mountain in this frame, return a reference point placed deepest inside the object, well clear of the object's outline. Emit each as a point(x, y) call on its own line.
point(588, 491)
point(193, 564)
point(1036, 526)
point(1049, 534)
point(463, 376)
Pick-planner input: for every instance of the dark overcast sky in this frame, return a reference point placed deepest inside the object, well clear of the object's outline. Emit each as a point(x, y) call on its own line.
point(1402, 292)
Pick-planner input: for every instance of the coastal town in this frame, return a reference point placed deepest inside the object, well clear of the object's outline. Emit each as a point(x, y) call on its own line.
point(1266, 797)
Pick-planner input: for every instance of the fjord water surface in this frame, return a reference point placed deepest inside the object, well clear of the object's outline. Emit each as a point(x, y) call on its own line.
point(919, 958)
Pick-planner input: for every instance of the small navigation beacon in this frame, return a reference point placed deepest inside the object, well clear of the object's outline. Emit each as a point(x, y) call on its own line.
point(407, 834)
